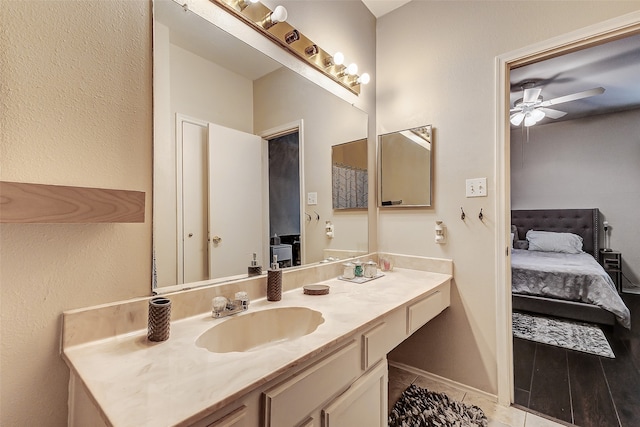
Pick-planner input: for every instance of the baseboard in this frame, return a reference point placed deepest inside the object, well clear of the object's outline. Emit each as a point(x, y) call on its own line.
point(447, 381)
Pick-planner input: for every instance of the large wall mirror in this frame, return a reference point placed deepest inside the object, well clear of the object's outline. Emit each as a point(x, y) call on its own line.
point(225, 114)
point(404, 168)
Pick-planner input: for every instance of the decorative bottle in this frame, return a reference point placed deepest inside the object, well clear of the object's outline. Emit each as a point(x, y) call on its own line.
point(254, 269)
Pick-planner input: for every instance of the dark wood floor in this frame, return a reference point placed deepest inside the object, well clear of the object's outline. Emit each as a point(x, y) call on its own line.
point(580, 388)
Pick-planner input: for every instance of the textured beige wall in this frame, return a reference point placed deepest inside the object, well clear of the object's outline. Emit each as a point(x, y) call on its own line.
point(436, 65)
point(76, 110)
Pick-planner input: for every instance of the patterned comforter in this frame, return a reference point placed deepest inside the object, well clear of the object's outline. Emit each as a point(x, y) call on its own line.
point(573, 277)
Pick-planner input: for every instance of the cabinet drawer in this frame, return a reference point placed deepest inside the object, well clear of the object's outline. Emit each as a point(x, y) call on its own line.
point(289, 403)
point(426, 309)
point(382, 338)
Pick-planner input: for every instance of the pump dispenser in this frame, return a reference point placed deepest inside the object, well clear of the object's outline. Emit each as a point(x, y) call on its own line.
point(254, 269)
point(274, 281)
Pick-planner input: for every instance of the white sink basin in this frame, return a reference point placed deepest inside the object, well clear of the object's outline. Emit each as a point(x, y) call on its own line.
point(252, 330)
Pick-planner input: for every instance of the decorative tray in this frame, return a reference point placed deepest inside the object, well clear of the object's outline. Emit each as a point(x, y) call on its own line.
point(361, 279)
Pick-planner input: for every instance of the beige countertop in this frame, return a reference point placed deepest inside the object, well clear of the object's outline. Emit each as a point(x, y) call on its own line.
point(139, 383)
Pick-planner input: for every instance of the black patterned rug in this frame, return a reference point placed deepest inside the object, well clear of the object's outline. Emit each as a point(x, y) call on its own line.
point(568, 334)
point(419, 407)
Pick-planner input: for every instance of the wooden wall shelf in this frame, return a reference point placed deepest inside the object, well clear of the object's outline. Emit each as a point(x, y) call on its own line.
point(41, 203)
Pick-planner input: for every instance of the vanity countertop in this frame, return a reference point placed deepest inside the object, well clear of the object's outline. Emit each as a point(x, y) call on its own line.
point(139, 383)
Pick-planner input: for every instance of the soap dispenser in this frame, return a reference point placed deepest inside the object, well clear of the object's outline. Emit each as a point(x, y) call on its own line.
point(274, 281)
point(254, 269)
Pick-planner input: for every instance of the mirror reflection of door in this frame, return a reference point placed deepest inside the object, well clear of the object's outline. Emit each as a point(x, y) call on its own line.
point(195, 202)
point(235, 202)
point(284, 199)
point(214, 243)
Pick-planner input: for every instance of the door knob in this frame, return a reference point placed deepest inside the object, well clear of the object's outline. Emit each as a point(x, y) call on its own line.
point(216, 239)
point(190, 234)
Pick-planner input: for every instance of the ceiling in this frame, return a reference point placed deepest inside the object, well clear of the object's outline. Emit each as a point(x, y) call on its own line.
point(615, 66)
point(199, 36)
point(382, 7)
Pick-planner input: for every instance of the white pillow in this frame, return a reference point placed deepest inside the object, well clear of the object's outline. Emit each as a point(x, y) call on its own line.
point(513, 237)
point(547, 241)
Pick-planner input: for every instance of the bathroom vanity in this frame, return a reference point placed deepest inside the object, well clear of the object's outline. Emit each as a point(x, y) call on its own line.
point(335, 375)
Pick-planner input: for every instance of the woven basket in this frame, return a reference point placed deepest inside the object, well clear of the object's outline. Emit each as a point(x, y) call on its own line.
point(159, 319)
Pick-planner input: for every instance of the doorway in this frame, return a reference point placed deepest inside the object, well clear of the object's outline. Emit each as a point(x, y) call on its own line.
point(283, 178)
point(284, 199)
point(597, 34)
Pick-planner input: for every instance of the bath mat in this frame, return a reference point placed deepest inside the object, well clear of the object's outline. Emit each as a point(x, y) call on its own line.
point(568, 334)
point(420, 407)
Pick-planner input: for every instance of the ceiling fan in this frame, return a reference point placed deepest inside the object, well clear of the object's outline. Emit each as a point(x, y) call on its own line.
point(531, 108)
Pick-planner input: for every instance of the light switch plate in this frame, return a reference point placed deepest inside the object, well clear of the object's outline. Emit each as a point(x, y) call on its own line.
point(312, 198)
point(476, 187)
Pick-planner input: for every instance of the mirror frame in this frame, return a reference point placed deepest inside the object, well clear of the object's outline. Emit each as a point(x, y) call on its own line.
point(406, 172)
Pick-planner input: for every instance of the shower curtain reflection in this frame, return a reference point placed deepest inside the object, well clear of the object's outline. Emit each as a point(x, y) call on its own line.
point(350, 186)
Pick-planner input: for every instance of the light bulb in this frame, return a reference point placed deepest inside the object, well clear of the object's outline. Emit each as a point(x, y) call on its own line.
point(243, 4)
point(279, 14)
point(364, 79)
point(352, 69)
point(517, 118)
point(537, 115)
point(529, 120)
point(338, 58)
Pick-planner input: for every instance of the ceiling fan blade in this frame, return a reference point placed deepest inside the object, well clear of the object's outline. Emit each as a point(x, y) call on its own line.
point(531, 95)
point(573, 96)
point(515, 109)
point(552, 114)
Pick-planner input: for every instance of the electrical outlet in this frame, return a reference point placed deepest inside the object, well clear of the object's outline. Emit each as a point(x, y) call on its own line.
point(312, 198)
point(476, 187)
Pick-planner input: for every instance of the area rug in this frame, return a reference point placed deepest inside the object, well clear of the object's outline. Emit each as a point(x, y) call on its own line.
point(418, 407)
point(562, 333)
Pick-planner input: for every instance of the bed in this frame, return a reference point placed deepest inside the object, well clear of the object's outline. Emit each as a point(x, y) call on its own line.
point(569, 285)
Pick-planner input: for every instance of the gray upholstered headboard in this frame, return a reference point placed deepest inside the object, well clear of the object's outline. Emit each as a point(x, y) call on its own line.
point(583, 222)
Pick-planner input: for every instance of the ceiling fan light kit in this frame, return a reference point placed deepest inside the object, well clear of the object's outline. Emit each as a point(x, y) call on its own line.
point(532, 108)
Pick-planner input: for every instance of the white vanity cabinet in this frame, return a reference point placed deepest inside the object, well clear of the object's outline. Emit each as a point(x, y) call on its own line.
point(349, 387)
point(294, 401)
point(336, 376)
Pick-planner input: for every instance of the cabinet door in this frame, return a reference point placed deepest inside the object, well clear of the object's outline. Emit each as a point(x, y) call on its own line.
point(364, 404)
point(291, 402)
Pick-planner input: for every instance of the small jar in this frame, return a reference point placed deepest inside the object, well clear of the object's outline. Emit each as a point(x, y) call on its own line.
point(348, 272)
point(358, 270)
point(386, 264)
point(370, 269)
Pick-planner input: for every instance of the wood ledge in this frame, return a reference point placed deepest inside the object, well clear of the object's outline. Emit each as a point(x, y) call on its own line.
point(43, 203)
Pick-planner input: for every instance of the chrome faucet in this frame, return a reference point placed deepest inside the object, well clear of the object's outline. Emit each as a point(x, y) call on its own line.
point(223, 307)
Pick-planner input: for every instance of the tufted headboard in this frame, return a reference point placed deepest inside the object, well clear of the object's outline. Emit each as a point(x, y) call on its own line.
point(583, 222)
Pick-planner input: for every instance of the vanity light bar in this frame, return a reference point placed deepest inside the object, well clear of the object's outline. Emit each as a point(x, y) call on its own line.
point(255, 14)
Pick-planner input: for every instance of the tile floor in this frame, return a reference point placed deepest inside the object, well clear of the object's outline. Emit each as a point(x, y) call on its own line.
point(499, 416)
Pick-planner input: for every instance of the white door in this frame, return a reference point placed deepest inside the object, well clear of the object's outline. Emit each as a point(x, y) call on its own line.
point(235, 202)
point(195, 206)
